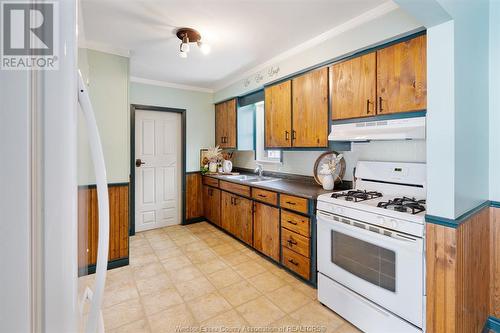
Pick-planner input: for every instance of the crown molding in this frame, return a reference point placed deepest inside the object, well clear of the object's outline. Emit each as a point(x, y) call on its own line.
point(169, 84)
point(106, 48)
point(370, 15)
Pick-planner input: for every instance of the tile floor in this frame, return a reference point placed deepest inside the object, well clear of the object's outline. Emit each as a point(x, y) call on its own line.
point(190, 278)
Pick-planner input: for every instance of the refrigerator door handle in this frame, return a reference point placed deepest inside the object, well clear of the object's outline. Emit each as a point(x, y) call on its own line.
point(95, 321)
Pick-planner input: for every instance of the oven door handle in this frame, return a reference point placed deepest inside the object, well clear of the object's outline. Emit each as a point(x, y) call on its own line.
point(370, 236)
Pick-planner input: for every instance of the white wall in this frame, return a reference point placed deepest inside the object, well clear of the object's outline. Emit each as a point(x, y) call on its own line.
point(494, 100)
point(440, 121)
point(471, 102)
point(375, 30)
point(200, 114)
point(370, 32)
point(458, 108)
point(302, 162)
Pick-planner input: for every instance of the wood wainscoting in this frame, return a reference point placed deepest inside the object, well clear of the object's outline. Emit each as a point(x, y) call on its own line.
point(495, 261)
point(194, 197)
point(458, 275)
point(88, 226)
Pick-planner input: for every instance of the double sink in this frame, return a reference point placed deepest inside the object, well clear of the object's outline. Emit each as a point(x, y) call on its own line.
point(252, 179)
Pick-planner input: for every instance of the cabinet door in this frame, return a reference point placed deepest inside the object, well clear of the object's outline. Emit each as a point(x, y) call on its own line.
point(211, 204)
point(266, 230)
point(401, 77)
point(215, 206)
point(278, 115)
point(242, 226)
point(227, 212)
point(231, 125)
point(207, 207)
point(220, 124)
point(353, 84)
point(310, 109)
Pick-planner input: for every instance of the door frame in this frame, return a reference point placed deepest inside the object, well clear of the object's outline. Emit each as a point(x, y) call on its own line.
point(182, 112)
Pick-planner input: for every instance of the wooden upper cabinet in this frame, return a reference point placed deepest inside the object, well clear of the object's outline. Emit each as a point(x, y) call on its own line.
point(278, 115)
point(231, 124)
point(220, 123)
point(310, 109)
point(225, 124)
point(401, 76)
point(353, 86)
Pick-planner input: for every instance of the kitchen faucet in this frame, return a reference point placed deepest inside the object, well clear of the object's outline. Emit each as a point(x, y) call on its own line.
point(259, 169)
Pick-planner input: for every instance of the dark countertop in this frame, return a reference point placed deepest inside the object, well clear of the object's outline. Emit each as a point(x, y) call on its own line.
point(303, 189)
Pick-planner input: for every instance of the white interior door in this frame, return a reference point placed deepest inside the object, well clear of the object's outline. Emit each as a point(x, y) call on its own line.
point(158, 169)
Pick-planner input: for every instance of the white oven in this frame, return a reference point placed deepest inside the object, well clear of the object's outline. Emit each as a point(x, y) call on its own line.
point(362, 260)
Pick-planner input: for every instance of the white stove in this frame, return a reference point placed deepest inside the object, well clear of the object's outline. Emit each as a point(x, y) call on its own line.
point(370, 248)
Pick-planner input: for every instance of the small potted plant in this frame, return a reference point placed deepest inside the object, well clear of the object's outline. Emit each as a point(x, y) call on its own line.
point(328, 171)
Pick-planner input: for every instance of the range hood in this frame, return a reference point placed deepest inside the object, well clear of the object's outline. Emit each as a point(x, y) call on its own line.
point(393, 129)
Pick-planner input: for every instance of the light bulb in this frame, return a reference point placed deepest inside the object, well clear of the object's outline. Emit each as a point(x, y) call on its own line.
point(204, 47)
point(185, 47)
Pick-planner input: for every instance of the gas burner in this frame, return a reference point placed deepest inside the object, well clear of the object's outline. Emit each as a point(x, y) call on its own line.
point(404, 204)
point(357, 195)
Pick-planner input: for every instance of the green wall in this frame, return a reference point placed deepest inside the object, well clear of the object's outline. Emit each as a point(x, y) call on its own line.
point(107, 76)
point(200, 115)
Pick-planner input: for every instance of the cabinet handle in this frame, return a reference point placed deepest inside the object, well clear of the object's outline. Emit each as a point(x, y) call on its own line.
point(287, 135)
point(232, 201)
point(380, 104)
point(262, 195)
point(291, 203)
point(368, 106)
point(293, 262)
point(294, 134)
point(292, 242)
point(291, 222)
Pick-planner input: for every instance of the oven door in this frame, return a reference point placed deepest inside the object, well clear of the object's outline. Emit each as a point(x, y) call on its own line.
point(380, 264)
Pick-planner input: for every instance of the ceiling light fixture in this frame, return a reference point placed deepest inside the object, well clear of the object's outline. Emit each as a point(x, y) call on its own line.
point(187, 36)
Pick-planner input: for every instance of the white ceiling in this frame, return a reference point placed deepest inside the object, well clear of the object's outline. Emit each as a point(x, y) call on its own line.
point(242, 33)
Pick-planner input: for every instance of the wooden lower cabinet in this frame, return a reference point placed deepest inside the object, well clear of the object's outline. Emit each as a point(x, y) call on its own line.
point(297, 263)
point(211, 204)
point(236, 216)
point(266, 230)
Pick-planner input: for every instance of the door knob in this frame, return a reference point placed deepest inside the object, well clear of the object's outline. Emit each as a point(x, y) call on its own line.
point(139, 162)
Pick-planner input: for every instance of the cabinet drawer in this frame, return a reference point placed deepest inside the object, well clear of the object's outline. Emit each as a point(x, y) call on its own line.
point(210, 181)
point(297, 263)
point(295, 223)
point(265, 196)
point(295, 242)
point(294, 203)
point(235, 188)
